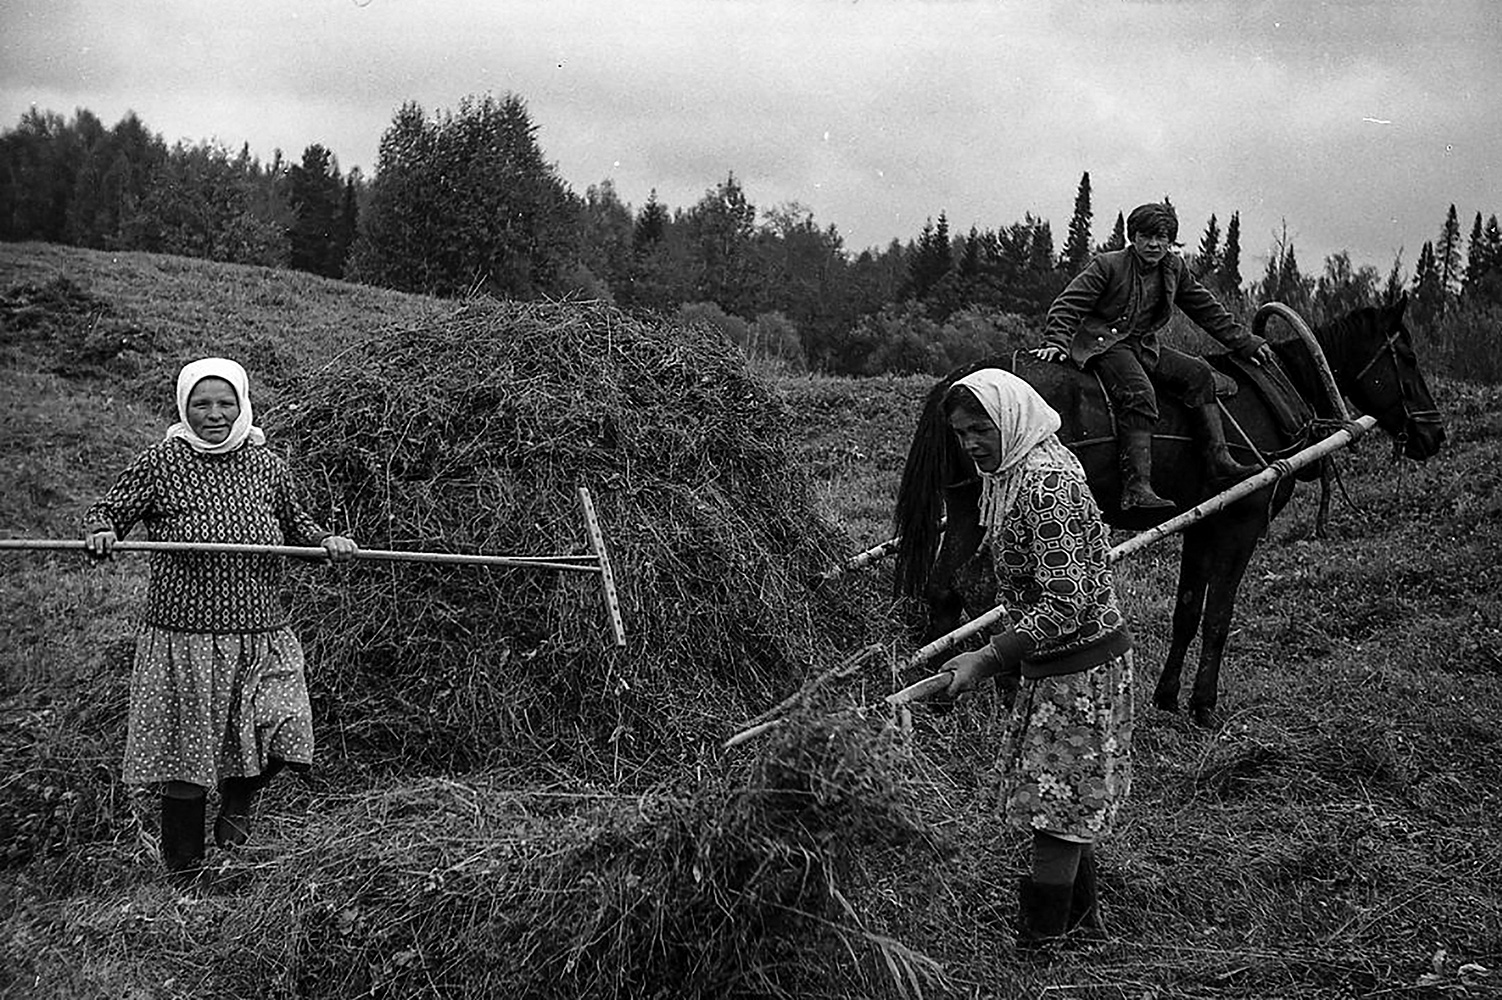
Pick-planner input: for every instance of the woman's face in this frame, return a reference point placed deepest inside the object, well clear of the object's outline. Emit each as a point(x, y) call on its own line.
point(978, 436)
point(212, 409)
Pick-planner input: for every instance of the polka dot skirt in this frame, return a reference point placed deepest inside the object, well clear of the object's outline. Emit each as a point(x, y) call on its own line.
point(204, 707)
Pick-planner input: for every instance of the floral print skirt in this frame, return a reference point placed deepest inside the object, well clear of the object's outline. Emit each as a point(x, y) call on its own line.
point(204, 707)
point(1067, 764)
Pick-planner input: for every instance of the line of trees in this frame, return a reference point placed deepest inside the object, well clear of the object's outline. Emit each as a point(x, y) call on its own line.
point(464, 201)
point(123, 188)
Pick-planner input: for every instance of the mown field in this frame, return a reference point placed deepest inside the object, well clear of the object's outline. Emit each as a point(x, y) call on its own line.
point(1336, 836)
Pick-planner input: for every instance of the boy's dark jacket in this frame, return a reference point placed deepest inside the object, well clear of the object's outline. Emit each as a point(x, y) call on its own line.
point(1099, 308)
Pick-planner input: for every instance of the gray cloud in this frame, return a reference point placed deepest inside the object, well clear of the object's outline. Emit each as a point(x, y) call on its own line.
point(875, 114)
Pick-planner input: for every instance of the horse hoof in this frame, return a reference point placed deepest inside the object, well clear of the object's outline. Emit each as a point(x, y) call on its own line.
point(1170, 706)
point(1204, 718)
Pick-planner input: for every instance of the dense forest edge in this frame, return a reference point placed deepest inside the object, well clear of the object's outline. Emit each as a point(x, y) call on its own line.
point(463, 200)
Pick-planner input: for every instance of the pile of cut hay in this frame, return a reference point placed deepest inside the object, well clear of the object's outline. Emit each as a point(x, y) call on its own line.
point(750, 885)
point(472, 434)
point(74, 332)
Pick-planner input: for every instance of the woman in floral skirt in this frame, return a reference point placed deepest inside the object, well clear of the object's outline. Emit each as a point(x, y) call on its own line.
point(1064, 661)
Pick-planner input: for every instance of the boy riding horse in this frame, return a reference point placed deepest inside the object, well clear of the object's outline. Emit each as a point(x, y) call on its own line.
point(1107, 321)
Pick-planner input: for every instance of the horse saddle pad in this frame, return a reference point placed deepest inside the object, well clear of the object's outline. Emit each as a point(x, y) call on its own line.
point(1087, 414)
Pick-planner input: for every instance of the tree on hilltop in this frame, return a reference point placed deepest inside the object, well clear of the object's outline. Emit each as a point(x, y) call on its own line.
point(117, 170)
point(465, 201)
point(316, 196)
point(719, 231)
point(39, 160)
point(605, 234)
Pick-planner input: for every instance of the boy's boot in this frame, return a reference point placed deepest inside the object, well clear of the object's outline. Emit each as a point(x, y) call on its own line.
point(1212, 435)
point(1042, 914)
point(182, 836)
point(1135, 455)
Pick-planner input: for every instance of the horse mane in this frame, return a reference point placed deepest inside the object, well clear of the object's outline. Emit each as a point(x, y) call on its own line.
point(933, 457)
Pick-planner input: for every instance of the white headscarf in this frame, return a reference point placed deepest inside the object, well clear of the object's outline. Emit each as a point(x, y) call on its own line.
point(1029, 440)
point(243, 428)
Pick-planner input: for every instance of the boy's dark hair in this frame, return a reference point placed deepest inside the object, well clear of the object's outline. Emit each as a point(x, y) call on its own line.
point(1153, 219)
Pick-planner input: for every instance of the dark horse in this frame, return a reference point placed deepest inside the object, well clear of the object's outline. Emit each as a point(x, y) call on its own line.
point(1270, 414)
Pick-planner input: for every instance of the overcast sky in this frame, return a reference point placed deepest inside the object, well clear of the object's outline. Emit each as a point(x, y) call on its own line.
point(1358, 123)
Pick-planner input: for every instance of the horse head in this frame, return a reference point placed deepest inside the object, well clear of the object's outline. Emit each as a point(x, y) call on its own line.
point(1380, 373)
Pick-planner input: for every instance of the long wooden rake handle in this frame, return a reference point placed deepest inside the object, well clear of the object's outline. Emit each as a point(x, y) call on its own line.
point(1199, 512)
point(598, 562)
point(565, 563)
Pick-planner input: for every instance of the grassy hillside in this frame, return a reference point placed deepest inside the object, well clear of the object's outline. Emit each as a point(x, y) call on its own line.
point(1337, 836)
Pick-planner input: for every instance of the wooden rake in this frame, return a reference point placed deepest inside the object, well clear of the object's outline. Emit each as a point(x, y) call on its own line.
point(597, 562)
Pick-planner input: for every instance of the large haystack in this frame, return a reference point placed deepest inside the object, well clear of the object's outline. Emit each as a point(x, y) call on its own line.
point(472, 435)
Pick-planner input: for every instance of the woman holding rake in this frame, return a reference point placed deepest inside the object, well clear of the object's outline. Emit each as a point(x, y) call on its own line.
point(218, 693)
point(1064, 663)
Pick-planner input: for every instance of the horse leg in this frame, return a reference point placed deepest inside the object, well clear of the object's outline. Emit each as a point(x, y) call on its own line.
point(1231, 550)
point(1193, 577)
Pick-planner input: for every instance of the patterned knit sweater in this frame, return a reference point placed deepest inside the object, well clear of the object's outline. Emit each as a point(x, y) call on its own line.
point(245, 496)
point(1053, 574)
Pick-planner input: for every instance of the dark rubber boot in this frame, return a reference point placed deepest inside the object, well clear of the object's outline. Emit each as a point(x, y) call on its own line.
point(1084, 906)
point(182, 836)
point(1218, 461)
point(237, 796)
point(1042, 914)
point(1136, 460)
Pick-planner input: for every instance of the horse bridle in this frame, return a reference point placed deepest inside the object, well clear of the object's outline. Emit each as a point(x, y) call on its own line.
point(1411, 415)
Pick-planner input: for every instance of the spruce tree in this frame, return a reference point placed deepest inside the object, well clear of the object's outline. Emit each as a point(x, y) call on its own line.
point(930, 261)
point(1207, 258)
point(655, 279)
point(1077, 243)
point(651, 223)
point(1447, 257)
point(1428, 290)
point(1475, 265)
point(1486, 286)
point(314, 190)
point(1228, 274)
point(1118, 235)
point(1393, 290)
point(719, 231)
point(348, 222)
